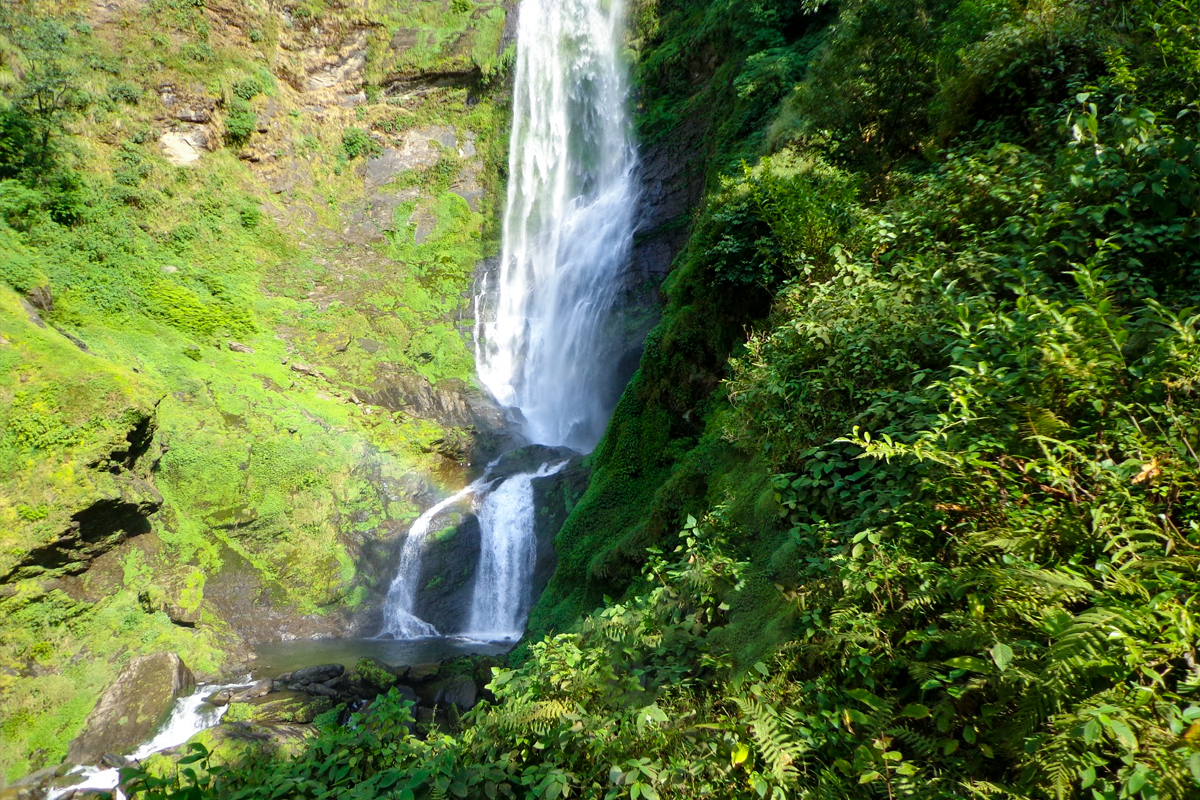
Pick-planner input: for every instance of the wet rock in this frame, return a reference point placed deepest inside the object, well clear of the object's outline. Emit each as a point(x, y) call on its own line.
point(460, 692)
point(448, 570)
point(237, 742)
point(133, 708)
point(220, 699)
point(422, 673)
point(408, 694)
point(292, 708)
point(530, 459)
point(553, 499)
point(114, 761)
point(376, 674)
point(318, 689)
point(259, 689)
point(318, 674)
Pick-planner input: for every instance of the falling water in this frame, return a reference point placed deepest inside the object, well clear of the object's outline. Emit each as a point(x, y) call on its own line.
point(548, 333)
point(502, 596)
point(399, 621)
point(189, 716)
point(547, 328)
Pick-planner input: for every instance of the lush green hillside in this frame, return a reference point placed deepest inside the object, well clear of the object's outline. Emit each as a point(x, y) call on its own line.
point(900, 502)
point(235, 239)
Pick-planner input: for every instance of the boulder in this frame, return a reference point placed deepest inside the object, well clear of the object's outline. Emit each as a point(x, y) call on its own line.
point(375, 674)
point(448, 569)
point(133, 708)
point(253, 692)
point(459, 692)
point(283, 708)
point(318, 674)
point(423, 673)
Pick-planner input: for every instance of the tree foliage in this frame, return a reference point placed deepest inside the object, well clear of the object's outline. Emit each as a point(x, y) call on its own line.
point(971, 397)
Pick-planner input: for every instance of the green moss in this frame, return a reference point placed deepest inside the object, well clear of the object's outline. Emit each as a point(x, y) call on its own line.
point(158, 272)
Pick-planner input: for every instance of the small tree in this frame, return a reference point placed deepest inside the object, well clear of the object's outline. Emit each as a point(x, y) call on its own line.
point(44, 89)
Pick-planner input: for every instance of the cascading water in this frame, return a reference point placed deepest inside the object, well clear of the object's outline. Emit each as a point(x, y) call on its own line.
point(548, 330)
point(190, 715)
point(547, 327)
point(399, 621)
point(501, 601)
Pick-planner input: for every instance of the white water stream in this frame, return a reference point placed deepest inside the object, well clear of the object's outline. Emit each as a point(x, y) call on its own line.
point(189, 716)
point(548, 331)
point(546, 326)
point(502, 597)
point(399, 619)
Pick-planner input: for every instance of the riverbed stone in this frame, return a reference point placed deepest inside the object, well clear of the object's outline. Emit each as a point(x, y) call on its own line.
point(318, 674)
point(460, 692)
point(133, 708)
point(260, 689)
point(291, 708)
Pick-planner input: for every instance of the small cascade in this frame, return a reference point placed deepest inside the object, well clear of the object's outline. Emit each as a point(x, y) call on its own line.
point(502, 598)
point(399, 621)
point(189, 716)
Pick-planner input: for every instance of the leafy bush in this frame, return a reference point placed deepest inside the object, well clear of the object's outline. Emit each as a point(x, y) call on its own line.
point(358, 143)
point(125, 92)
point(240, 123)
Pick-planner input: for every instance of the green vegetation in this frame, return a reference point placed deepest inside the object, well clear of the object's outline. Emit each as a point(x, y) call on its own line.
point(923, 406)
point(222, 319)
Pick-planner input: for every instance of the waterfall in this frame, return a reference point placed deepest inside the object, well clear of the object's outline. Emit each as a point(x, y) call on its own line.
point(502, 598)
point(547, 330)
point(548, 333)
point(399, 621)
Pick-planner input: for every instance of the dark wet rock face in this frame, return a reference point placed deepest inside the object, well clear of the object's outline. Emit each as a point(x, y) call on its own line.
point(553, 499)
point(133, 708)
point(448, 571)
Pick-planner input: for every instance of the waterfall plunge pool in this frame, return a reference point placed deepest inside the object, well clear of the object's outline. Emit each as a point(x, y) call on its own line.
point(276, 658)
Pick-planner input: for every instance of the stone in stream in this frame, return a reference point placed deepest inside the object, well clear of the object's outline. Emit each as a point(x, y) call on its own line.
point(319, 674)
point(257, 690)
point(459, 692)
point(282, 708)
point(133, 708)
point(377, 675)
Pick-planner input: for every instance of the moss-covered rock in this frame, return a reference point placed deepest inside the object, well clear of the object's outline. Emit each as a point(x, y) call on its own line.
point(290, 708)
point(133, 708)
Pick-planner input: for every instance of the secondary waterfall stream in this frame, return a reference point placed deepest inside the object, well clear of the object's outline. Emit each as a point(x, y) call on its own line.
point(548, 329)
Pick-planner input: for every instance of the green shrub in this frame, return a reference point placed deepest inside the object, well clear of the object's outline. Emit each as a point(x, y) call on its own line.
point(125, 92)
point(358, 143)
point(240, 123)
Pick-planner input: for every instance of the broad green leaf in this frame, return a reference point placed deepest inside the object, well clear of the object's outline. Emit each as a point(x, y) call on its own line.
point(868, 777)
point(1124, 734)
point(915, 711)
point(1002, 654)
point(1194, 766)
